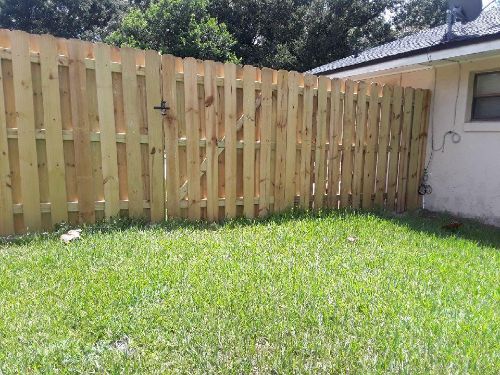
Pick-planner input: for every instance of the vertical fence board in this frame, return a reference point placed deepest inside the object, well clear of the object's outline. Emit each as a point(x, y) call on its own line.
point(133, 141)
point(361, 117)
point(53, 124)
point(395, 138)
point(193, 138)
point(230, 139)
point(347, 143)
point(409, 94)
point(413, 172)
point(6, 212)
point(333, 153)
point(155, 136)
point(265, 142)
point(291, 138)
point(281, 132)
point(306, 148)
point(23, 98)
point(383, 143)
point(249, 110)
point(171, 136)
point(319, 173)
point(371, 148)
point(211, 115)
point(81, 132)
point(107, 128)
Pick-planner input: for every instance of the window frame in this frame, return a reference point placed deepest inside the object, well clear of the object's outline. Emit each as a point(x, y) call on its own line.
point(473, 97)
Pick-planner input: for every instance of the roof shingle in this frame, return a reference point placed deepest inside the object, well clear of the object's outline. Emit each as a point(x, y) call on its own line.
point(486, 25)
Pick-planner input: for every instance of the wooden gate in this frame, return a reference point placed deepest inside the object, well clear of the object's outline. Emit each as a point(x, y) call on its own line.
point(81, 140)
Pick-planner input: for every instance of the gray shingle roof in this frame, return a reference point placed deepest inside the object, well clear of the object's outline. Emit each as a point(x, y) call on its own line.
point(487, 25)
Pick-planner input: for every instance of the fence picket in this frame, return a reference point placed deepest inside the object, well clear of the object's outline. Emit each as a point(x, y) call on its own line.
point(265, 142)
point(333, 153)
point(361, 119)
point(6, 212)
point(409, 94)
point(107, 129)
point(320, 164)
point(371, 147)
point(347, 143)
point(155, 136)
point(392, 179)
point(413, 173)
point(230, 139)
point(383, 144)
point(310, 83)
point(281, 132)
point(291, 139)
point(249, 111)
point(52, 121)
point(23, 98)
point(133, 145)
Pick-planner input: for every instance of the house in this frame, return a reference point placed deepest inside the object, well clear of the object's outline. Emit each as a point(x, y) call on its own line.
point(463, 73)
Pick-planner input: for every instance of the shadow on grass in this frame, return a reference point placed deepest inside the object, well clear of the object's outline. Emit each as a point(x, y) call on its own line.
point(420, 221)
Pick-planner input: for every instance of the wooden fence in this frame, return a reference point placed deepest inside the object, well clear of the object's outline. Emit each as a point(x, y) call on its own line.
point(81, 140)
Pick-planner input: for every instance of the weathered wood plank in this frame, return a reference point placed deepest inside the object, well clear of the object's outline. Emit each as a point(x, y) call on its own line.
point(334, 138)
point(409, 94)
point(348, 141)
point(6, 212)
point(25, 120)
point(52, 120)
point(133, 141)
point(291, 138)
point(265, 142)
point(107, 128)
point(192, 113)
point(310, 82)
point(383, 143)
point(281, 134)
point(249, 110)
point(395, 138)
point(155, 135)
point(371, 147)
point(320, 165)
point(412, 197)
point(171, 136)
point(230, 138)
point(359, 146)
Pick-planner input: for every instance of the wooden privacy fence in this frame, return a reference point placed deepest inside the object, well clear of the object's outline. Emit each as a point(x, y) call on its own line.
point(81, 140)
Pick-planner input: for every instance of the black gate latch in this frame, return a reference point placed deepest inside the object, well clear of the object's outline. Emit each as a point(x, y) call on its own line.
point(163, 107)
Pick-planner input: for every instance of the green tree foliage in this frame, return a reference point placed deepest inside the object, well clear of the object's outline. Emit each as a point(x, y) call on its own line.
point(84, 19)
point(415, 15)
point(180, 27)
point(301, 34)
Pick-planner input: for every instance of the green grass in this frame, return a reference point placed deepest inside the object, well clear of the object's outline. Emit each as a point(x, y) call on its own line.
point(287, 295)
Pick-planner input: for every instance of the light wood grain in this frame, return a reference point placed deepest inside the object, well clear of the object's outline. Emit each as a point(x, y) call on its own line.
point(249, 111)
point(320, 165)
point(230, 138)
point(371, 147)
point(265, 142)
point(156, 137)
point(383, 143)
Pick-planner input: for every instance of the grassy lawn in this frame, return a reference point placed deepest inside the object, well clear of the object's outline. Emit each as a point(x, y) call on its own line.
point(334, 293)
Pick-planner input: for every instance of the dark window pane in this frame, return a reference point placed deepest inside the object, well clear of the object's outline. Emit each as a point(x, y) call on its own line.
point(486, 108)
point(487, 84)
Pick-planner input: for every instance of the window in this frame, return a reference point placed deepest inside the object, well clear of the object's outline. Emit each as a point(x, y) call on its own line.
point(486, 100)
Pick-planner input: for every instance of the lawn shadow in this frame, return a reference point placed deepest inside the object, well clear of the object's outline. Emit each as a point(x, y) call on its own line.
point(419, 221)
point(435, 223)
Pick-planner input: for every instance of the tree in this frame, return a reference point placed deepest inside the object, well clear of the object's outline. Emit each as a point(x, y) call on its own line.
point(302, 34)
point(414, 15)
point(84, 19)
point(180, 27)
point(338, 28)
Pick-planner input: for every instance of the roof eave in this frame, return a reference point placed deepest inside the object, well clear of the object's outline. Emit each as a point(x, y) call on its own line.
point(437, 47)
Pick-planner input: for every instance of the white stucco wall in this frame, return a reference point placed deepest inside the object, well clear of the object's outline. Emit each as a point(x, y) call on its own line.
point(465, 177)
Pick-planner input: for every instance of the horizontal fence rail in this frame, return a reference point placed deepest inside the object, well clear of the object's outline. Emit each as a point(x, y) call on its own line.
point(82, 138)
